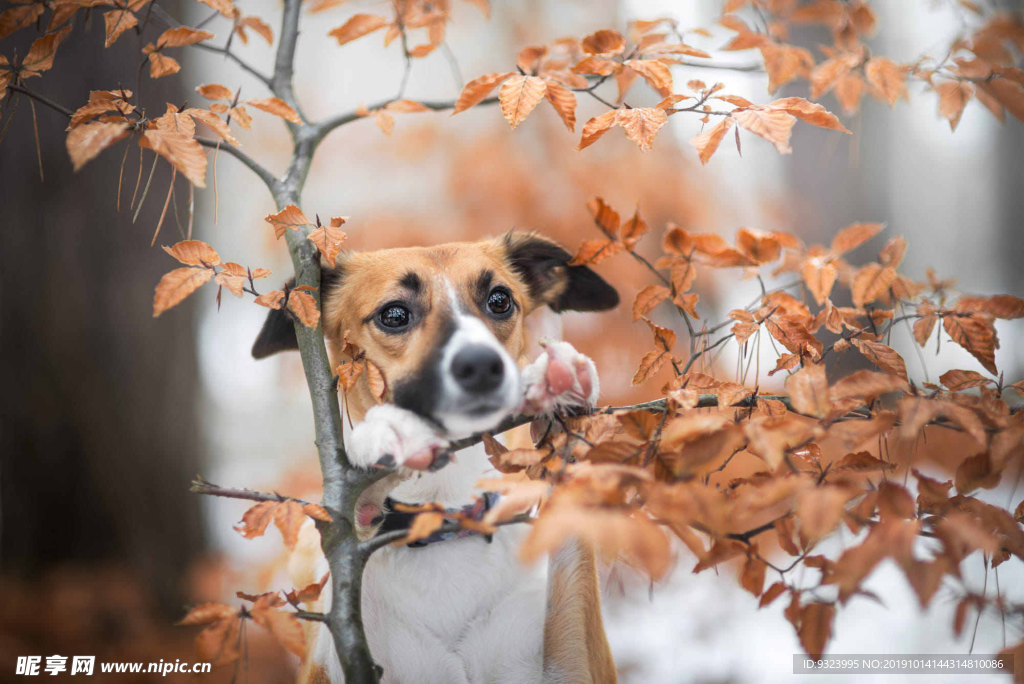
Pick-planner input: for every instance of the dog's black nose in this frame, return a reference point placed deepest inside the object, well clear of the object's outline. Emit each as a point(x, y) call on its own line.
point(478, 369)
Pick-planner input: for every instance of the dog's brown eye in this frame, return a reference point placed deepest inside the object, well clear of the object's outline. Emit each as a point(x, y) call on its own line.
point(394, 316)
point(499, 301)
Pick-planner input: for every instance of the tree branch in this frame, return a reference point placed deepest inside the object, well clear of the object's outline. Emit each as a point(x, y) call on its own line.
point(201, 486)
point(265, 176)
point(381, 540)
point(327, 125)
point(165, 18)
point(42, 99)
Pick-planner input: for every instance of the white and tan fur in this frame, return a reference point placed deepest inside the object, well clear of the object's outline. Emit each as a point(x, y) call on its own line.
point(460, 610)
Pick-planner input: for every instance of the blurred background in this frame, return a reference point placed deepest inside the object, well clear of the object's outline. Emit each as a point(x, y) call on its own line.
point(109, 413)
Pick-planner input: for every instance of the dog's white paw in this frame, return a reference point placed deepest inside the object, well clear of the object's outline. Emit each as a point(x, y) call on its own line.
point(392, 437)
point(561, 377)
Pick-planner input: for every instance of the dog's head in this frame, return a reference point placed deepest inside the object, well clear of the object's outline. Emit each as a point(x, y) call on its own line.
point(444, 324)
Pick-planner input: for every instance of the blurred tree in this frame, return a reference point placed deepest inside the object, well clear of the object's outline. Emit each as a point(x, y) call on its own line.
point(98, 427)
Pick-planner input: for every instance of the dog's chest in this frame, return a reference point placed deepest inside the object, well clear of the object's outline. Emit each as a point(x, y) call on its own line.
point(456, 611)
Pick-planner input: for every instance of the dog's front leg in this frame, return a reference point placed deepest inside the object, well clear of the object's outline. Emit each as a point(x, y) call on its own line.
point(394, 438)
point(560, 377)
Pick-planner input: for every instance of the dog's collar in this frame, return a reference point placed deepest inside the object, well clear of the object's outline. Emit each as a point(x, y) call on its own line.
point(396, 520)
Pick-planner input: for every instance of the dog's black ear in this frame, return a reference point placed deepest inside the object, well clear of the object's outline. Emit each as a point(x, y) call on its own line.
point(278, 331)
point(544, 266)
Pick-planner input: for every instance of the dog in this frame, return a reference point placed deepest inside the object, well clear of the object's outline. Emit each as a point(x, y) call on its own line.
point(445, 325)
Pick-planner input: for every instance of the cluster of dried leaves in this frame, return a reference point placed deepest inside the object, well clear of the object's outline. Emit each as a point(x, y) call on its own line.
point(980, 63)
point(568, 66)
point(717, 464)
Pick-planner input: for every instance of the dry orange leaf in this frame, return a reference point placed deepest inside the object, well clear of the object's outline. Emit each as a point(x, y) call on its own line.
point(808, 391)
point(41, 53)
point(774, 125)
point(358, 26)
point(647, 299)
point(328, 240)
point(882, 356)
point(88, 140)
point(117, 22)
point(215, 91)
point(175, 286)
point(809, 112)
point(476, 90)
point(183, 152)
point(708, 141)
point(519, 95)
point(564, 102)
point(953, 97)
point(641, 124)
point(975, 333)
point(304, 307)
point(271, 300)
point(277, 107)
point(887, 79)
point(289, 217)
point(603, 42)
point(194, 253)
point(374, 376)
point(595, 128)
point(182, 36)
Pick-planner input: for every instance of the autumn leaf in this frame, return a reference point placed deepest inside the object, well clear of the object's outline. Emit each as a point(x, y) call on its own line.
point(183, 152)
point(882, 356)
point(808, 391)
point(594, 251)
point(215, 91)
point(476, 90)
point(375, 378)
point(816, 627)
point(182, 36)
point(603, 42)
point(564, 102)
point(519, 95)
point(289, 217)
point(647, 299)
point(708, 141)
point(664, 340)
point(256, 24)
point(42, 52)
point(809, 112)
point(887, 79)
point(752, 576)
point(85, 142)
point(975, 333)
point(117, 22)
point(289, 517)
point(277, 107)
point(358, 26)
point(328, 240)
point(657, 74)
point(272, 300)
point(175, 286)
point(596, 127)
point(820, 275)
point(959, 380)
point(304, 307)
point(871, 282)
point(283, 626)
point(774, 125)
point(348, 373)
point(866, 385)
point(853, 236)
point(641, 124)
point(953, 97)
point(194, 253)
point(1001, 306)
